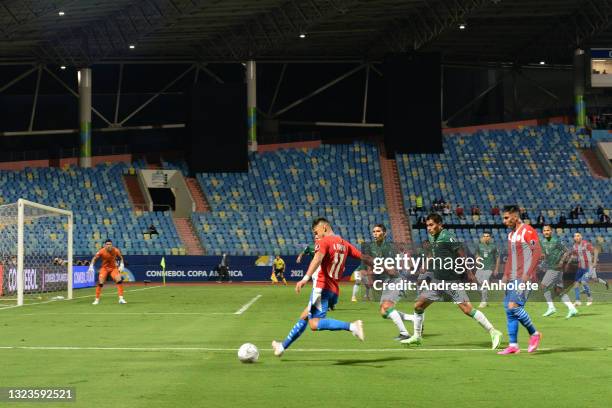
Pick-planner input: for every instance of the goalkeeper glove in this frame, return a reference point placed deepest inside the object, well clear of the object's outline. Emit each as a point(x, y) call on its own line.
point(91, 269)
point(121, 266)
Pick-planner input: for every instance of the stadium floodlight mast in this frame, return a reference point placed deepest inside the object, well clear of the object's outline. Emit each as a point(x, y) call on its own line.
point(35, 252)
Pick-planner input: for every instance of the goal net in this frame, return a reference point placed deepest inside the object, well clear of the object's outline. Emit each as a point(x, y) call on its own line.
point(35, 253)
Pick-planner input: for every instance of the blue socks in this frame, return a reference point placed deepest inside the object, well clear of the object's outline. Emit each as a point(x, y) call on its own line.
point(586, 289)
point(514, 316)
point(295, 332)
point(332, 324)
point(512, 323)
point(523, 317)
point(324, 324)
point(577, 294)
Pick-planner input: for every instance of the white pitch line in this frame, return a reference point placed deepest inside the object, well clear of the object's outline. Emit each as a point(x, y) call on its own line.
point(247, 305)
point(76, 297)
point(212, 349)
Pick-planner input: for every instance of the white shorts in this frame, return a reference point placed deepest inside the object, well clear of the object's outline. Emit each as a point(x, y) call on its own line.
point(483, 275)
point(315, 276)
point(552, 278)
point(357, 276)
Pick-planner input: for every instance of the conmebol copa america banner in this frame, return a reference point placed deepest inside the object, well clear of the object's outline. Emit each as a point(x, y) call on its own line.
point(205, 268)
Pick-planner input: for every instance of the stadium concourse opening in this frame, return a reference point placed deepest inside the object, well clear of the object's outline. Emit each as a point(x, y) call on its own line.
point(187, 186)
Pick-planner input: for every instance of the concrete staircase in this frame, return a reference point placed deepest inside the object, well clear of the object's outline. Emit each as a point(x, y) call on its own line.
point(400, 224)
point(197, 194)
point(185, 229)
point(590, 158)
point(133, 188)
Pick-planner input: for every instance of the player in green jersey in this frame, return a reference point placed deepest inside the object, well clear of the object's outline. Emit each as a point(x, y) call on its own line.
point(390, 279)
point(308, 250)
point(444, 245)
point(486, 250)
point(555, 256)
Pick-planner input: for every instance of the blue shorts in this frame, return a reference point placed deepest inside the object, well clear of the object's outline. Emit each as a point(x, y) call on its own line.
point(582, 275)
point(516, 296)
point(320, 303)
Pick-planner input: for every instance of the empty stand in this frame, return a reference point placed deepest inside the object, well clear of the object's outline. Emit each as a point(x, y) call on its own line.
point(270, 208)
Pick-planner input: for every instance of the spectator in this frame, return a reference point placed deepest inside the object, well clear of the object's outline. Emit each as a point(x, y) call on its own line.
point(604, 219)
point(600, 210)
point(421, 220)
point(447, 209)
point(562, 220)
point(223, 269)
point(152, 230)
point(419, 203)
point(523, 214)
point(495, 210)
point(475, 210)
point(573, 214)
point(541, 219)
point(579, 210)
point(459, 211)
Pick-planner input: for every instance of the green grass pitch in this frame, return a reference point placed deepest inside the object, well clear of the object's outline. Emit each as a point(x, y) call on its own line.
point(176, 347)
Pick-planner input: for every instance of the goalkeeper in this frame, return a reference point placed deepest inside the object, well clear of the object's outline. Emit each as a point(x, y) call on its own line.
point(109, 256)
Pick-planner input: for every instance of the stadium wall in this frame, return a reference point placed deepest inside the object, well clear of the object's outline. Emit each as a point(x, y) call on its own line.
point(204, 268)
point(243, 268)
point(20, 165)
point(313, 144)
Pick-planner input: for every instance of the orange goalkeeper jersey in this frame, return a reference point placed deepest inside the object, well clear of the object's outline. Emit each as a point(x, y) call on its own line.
point(109, 259)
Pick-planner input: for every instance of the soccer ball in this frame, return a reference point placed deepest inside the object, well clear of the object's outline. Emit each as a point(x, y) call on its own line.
point(248, 353)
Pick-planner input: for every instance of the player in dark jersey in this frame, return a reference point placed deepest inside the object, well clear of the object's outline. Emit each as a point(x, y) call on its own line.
point(444, 245)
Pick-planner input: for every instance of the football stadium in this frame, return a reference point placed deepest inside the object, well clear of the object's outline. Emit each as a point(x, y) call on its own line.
point(291, 203)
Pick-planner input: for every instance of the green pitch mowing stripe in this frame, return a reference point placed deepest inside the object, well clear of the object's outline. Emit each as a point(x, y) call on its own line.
point(176, 347)
point(75, 297)
point(210, 349)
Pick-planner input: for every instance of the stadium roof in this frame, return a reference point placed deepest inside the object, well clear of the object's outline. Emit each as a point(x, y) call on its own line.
point(90, 31)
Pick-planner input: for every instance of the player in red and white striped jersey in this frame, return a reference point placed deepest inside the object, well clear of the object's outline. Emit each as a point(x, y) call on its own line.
point(583, 254)
point(331, 252)
point(524, 253)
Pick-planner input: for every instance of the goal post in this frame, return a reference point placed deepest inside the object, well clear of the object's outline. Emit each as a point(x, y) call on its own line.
point(35, 253)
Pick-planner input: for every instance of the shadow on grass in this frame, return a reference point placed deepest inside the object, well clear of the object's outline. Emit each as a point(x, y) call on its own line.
point(570, 350)
point(363, 362)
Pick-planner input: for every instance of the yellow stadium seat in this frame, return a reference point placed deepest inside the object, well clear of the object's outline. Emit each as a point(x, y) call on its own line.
point(174, 251)
point(147, 236)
